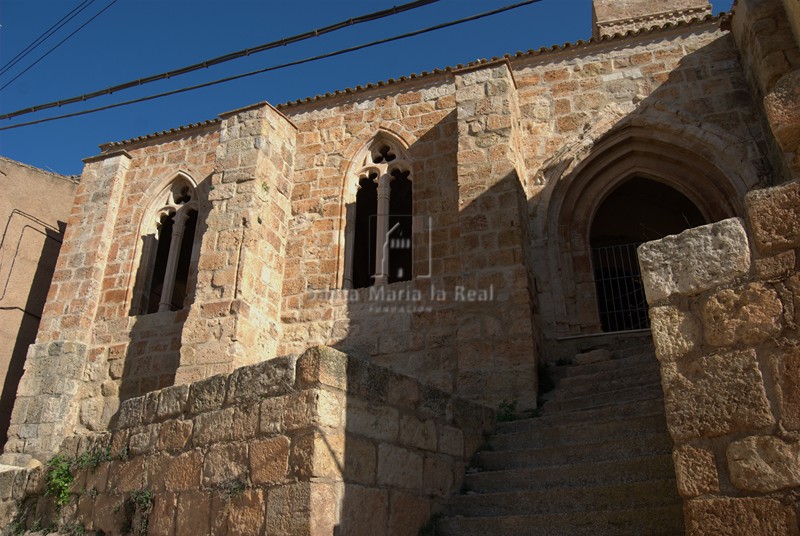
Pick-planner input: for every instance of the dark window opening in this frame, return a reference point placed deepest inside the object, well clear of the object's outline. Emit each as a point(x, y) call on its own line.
point(365, 231)
point(400, 228)
point(638, 211)
point(160, 264)
point(184, 261)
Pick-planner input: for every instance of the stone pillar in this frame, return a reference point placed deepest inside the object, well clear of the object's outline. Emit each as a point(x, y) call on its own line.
point(57, 374)
point(235, 317)
point(620, 16)
point(724, 320)
point(492, 215)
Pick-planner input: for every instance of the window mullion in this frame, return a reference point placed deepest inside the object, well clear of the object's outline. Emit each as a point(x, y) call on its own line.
point(382, 228)
point(172, 261)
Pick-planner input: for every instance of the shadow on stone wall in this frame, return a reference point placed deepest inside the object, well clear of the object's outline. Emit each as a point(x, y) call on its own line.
point(149, 360)
point(466, 329)
point(32, 311)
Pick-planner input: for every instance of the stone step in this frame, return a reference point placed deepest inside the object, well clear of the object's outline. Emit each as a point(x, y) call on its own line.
point(551, 436)
point(607, 375)
point(602, 450)
point(639, 392)
point(662, 492)
point(600, 383)
point(578, 474)
point(615, 412)
point(618, 364)
point(655, 521)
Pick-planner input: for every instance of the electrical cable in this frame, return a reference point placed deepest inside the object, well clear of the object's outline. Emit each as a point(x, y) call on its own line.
point(281, 66)
point(43, 56)
point(225, 58)
point(45, 35)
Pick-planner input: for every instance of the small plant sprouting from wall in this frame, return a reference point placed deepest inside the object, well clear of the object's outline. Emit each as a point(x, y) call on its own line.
point(58, 479)
point(506, 411)
point(137, 510)
point(93, 459)
point(231, 489)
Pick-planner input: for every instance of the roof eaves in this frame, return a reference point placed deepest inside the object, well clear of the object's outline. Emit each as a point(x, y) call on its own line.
point(708, 18)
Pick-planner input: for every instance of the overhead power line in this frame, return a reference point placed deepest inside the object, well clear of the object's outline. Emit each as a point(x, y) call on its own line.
point(225, 58)
point(43, 56)
point(281, 66)
point(45, 35)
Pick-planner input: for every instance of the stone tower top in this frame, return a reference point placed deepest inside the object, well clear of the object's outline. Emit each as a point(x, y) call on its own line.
point(619, 16)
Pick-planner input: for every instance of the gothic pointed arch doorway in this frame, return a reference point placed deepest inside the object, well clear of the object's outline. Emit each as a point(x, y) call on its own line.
point(588, 202)
point(636, 211)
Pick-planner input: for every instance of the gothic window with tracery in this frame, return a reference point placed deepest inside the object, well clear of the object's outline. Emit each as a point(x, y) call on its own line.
point(168, 242)
point(382, 237)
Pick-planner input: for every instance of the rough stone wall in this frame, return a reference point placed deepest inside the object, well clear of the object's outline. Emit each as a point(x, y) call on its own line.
point(34, 209)
point(89, 303)
point(770, 52)
point(724, 308)
point(444, 328)
point(293, 446)
point(673, 95)
point(235, 317)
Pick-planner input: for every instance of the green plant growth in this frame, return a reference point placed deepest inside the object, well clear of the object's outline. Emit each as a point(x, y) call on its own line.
point(94, 458)
point(506, 411)
point(19, 524)
point(137, 510)
point(58, 479)
point(231, 489)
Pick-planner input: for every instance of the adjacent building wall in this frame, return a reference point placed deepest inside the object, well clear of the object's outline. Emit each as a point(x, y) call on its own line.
point(34, 207)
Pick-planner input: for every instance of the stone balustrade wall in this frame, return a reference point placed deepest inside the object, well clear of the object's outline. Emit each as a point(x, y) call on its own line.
point(288, 446)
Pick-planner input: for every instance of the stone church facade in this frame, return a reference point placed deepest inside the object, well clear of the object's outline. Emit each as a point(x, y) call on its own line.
point(448, 233)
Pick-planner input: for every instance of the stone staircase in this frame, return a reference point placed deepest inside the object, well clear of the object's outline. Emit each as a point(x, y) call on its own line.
point(596, 461)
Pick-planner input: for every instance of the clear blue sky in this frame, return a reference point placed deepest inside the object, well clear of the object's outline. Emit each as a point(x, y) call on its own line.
point(137, 38)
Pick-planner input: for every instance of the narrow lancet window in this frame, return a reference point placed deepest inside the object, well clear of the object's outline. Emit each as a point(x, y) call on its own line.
point(382, 236)
point(166, 259)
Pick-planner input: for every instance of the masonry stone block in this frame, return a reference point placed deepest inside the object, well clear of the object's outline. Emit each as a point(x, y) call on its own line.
point(270, 378)
point(365, 509)
point(740, 517)
point(399, 467)
point(782, 105)
point(675, 332)
point(695, 260)
point(742, 315)
point(172, 401)
point(245, 513)
point(696, 471)
point(183, 472)
point(764, 463)
point(269, 460)
point(783, 366)
point(207, 395)
point(775, 267)
point(225, 461)
point(715, 395)
point(288, 509)
point(774, 215)
point(193, 513)
point(213, 427)
point(381, 423)
point(325, 365)
point(408, 514)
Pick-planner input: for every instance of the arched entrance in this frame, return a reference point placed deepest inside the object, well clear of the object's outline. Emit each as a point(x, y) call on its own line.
point(636, 211)
point(589, 205)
